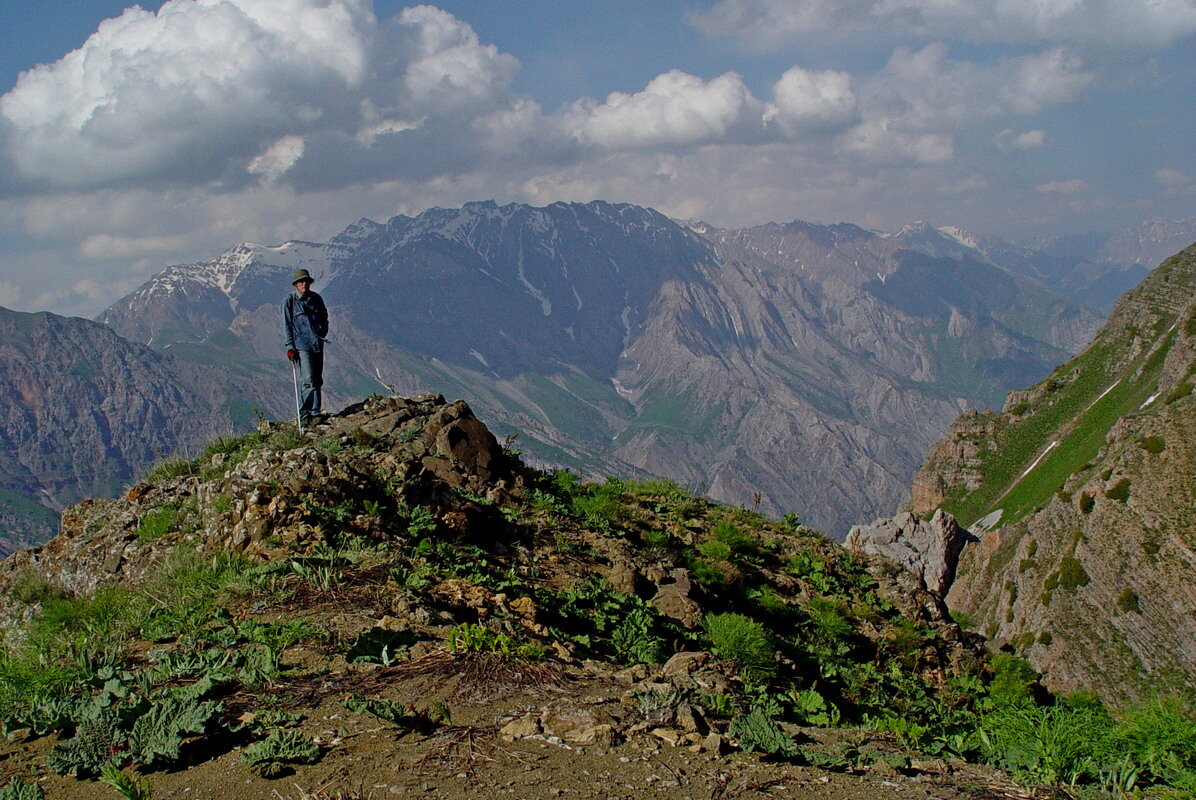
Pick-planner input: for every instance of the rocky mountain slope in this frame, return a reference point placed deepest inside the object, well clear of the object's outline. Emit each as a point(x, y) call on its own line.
point(1083, 493)
point(83, 411)
point(744, 363)
point(396, 576)
point(391, 603)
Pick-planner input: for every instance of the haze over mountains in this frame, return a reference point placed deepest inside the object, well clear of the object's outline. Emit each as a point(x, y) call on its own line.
point(83, 412)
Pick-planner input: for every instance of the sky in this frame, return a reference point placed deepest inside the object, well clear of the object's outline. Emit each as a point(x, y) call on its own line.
point(136, 137)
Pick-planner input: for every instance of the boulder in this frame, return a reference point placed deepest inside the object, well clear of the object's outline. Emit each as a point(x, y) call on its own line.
point(928, 550)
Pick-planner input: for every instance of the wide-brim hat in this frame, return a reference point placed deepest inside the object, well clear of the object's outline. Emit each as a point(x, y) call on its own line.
point(301, 275)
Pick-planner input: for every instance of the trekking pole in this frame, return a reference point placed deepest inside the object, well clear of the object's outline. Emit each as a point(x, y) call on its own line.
point(295, 379)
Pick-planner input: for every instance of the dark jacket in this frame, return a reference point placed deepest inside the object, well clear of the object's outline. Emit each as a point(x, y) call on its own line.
point(304, 322)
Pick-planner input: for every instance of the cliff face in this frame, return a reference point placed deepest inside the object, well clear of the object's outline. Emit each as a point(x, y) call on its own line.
point(615, 340)
point(82, 411)
point(1083, 493)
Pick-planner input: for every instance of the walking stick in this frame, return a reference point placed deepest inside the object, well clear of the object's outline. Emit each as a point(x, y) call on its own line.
point(295, 379)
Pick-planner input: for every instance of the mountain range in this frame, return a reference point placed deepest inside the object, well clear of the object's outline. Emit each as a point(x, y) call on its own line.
point(84, 411)
point(791, 367)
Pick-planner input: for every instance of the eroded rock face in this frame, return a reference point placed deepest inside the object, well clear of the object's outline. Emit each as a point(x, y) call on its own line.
point(927, 549)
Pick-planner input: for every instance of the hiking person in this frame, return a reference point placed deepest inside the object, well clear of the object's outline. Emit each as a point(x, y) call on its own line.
point(304, 326)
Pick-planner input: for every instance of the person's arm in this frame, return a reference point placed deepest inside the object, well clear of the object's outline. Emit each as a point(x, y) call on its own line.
point(288, 330)
point(321, 320)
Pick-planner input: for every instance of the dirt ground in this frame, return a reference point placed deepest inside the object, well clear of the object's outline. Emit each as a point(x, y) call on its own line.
point(367, 758)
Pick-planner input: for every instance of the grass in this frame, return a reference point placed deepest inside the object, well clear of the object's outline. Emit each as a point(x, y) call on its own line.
point(1078, 383)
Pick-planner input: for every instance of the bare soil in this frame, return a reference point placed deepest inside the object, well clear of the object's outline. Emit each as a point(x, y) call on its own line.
point(365, 757)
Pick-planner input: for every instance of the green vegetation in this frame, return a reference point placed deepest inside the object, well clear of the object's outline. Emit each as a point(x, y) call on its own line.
point(272, 756)
point(745, 643)
point(1119, 491)
point(1153, 444)
point(1076, 407)
point(208, 651)
point(157, 523)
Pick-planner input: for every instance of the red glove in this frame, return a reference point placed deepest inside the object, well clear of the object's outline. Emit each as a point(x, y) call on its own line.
point(293, 355)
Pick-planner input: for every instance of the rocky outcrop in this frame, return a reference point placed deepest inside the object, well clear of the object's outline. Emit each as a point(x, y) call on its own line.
point(928, 549)
point(1087, 485)
point(954, 461)
point(278, 494)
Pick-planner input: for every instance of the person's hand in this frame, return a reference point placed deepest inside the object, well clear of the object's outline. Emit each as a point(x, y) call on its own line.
point(293, 355)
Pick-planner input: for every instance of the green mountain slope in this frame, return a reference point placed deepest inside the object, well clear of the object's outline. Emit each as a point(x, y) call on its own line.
point(1084, 492)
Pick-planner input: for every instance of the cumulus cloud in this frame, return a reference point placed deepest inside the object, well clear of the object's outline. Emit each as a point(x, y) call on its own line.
point(210, 91)
point(926, 89)
point(812, 100)
point(913, 107)
point(1109, 23)
point(673, 109)
point(1070, 186)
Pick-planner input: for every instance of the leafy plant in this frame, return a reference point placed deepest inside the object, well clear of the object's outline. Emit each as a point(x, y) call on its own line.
point(18, 789)
point(810, 708)
point(406, 717)
point(756, 732)
point(272, 756)
point(380, 646)
point(635, 642)
point(158, 735)
point(126, 786)
point(471, 638)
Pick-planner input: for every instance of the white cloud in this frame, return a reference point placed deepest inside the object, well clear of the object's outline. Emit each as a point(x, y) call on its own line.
point(278, 158)
point(449, 66)
point(210, 91)
point(927, 90)
point(1009, 140)
point(674, 109)
point(915, 105)
point(1109, 23)
point(106, 247)
point(883, 140)
point(1070, 186)
point(1173, 178)
point(808, 100)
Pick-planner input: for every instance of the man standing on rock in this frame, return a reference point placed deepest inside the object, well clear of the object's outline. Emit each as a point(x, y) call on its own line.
point(304, 326)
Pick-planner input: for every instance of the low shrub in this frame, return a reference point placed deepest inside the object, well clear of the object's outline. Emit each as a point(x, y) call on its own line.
point(745, 643)
point(1153, 444)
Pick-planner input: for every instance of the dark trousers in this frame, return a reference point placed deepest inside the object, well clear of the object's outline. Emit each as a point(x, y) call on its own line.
point(311, 378)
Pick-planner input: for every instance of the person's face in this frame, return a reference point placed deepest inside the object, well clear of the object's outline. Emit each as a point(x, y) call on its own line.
point(302, 286)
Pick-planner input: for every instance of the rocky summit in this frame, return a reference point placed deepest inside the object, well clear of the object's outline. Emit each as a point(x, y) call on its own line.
point(391, 597)
point(1082, 496)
